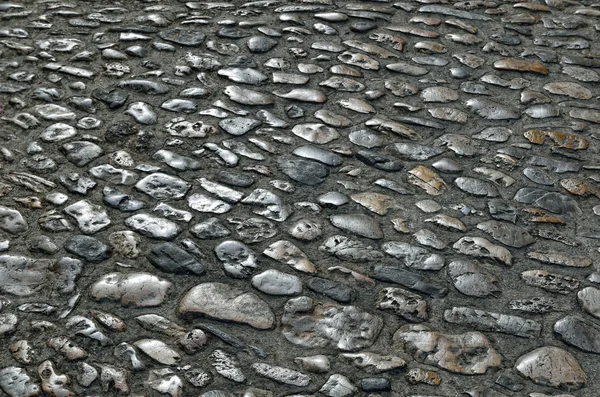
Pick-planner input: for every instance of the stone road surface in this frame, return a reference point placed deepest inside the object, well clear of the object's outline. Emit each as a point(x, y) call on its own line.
point(301, 198)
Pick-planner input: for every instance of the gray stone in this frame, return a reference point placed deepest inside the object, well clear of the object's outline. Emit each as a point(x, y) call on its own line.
point(169, 258)
point(153, 227)
point(310, 325)
point(88, 248)
point(414, 257)
point(163, 186)
point(497, 322)
point(552, 366)
point(90, 218)
point(224, 302)
point(135, 289)
point(274, 282)
point(238, 259)
point(579, 332)
point(362, 225)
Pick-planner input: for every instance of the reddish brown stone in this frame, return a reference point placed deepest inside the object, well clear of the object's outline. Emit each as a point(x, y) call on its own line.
point(520, 65)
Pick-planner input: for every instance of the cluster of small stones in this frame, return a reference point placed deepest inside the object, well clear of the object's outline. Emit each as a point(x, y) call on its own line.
point(307, 198)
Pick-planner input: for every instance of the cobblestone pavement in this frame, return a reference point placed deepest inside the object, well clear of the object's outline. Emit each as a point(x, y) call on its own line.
point(302, 198)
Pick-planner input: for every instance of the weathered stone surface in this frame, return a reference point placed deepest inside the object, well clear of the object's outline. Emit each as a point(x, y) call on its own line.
point(224, 302)
point(482, 248)
point(474, 279)
point(404, 303)
point(489, 321)
point(469, 353)
point(345, 327)
point(551, 366)
point(579, 332)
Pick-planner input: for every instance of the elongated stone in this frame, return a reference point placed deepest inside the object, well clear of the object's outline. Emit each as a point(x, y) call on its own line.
point(136, 289)
point(414, 257)
point(497, 322)
point(409, 279)
point(282, 375)
point(511, 235)
point(521, 66)
point(482, 248)
point(550, 281)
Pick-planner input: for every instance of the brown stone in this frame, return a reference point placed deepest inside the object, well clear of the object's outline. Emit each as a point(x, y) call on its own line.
point(427, 180)
point(521, 65)
point(552, 366)
point(541, 216)
point(560, 139)
point(420, 375)
point(580, 187)
point(376, 202)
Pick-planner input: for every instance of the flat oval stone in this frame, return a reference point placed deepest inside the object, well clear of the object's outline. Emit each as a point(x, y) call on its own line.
point(179, 105)
point(81, 153)
point(163, 186)
point(147, 87)
point(90, 218)
point(476, 187)
point(416, 152)
point(142, 113)
point(366, 138)
point(261, 44)
point(303, 95)
point(248, 97)
point(474, 279)
point(439, 94)
point(224, 302)
point(316, 153)
point(243, 75)
point(181, 36)
point(521, 65)
point(132, 289)
point(153, 227)
point(589, 299)
point(506, 233)
point(405, 68)
point(169, 258)
point(274, 282)
point(58, 132)
point(88, 248)
point(570, 89)
point(304, 171)
point(362, 225)
point(491, 110)
point(239, 125)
